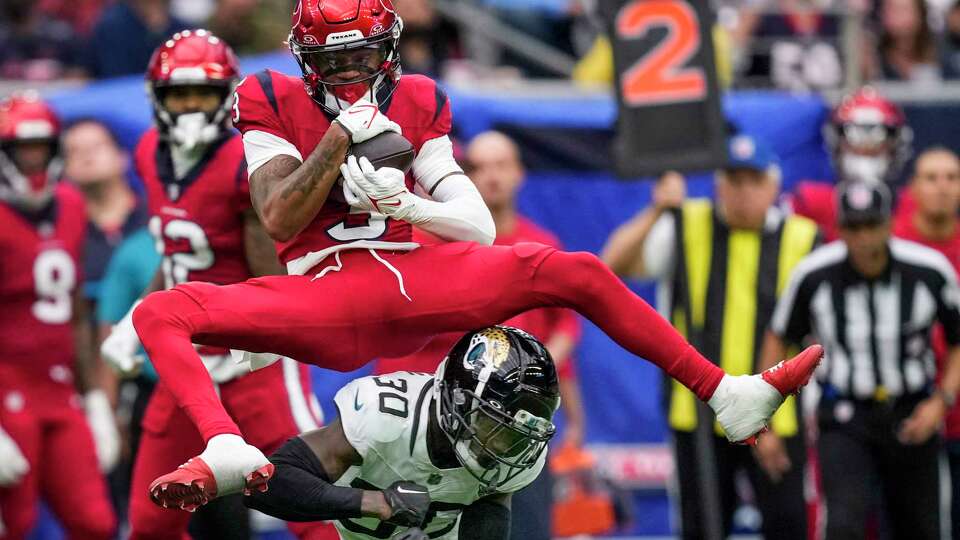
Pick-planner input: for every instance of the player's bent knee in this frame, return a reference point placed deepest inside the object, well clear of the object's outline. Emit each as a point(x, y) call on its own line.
point(161, 309)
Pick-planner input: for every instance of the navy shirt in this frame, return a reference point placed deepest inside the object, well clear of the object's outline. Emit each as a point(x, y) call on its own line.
point(99, 247)
point(121, 43)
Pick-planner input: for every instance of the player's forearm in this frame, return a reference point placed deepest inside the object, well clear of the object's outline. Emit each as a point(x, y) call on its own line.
point(457, 213)
point(259, 249)
point(623, 252)
point(288, 194)
point(88, 376)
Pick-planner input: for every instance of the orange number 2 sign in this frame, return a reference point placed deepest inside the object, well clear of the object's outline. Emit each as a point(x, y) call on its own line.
point(659, 76)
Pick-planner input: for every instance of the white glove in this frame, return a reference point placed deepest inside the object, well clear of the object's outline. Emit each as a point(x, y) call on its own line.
point(12, 463)
point(363, 120)
point(103, 427)
point(120, 348)
point(382, 190)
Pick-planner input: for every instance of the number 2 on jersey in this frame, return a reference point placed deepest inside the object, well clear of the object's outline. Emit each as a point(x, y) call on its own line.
point(659, 76)
point(177, 266)
point(54, 278)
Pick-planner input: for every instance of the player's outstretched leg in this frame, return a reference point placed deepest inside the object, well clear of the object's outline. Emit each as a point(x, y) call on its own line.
point(743, 404)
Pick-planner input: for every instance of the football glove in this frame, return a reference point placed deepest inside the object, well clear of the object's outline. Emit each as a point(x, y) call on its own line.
point(382, 190)
point(12, 463)
point(363, 121)
point(411, 534)
point(409, 503)
point(120, 349)
point(103, 427)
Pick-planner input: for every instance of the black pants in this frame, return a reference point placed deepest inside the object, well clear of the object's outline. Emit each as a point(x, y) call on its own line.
point(781, 505)
point(953, 455)
point(860, 455)
point(531, 509)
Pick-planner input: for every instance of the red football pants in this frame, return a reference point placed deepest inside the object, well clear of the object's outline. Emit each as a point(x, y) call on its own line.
point(45, 421)
point(270, 405)
point(392, 306)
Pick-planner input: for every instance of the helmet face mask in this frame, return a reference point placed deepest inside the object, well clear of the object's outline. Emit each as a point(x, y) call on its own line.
point(497, 393)
point(189, 69)
point(869, 138)
point(356, 38)
point(30, 163)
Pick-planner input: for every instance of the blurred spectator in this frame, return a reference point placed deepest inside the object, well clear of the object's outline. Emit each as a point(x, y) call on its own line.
point(791, 44)
point(35, 47)
point(495, 167)
point(951, 43)
point(428, 40)
point(935, 190)
point(907, 46)
point(720, 269)
point(80, 14)
point(126, 35)
point(871, 301)
point(96, 163)
point(252, 26)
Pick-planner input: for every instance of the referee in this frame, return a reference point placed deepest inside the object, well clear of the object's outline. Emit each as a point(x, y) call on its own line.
point(871, 300)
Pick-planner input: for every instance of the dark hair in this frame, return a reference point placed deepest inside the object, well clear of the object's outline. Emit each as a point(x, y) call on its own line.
point(923, 47)
point(96, 122)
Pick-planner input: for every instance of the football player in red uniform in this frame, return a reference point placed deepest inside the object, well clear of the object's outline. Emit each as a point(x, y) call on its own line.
point(193, 167)
point(46, 445)
point(870, 142)
point(359, 288)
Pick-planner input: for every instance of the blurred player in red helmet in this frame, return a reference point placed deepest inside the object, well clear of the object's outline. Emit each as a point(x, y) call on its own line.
point(193, 167)
point(869, 141)
point(359, 287)
point(48, 448)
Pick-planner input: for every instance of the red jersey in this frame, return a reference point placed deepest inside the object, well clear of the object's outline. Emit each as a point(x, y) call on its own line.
point(278, 105)
point(39, 273)
point(904, 227)
point(541, 323)
point(197, 221)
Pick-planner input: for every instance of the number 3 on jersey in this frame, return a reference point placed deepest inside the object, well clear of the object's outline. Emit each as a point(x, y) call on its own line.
point(177, 266)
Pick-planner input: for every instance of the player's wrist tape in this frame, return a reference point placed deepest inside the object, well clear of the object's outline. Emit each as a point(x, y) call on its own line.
point(300, 489)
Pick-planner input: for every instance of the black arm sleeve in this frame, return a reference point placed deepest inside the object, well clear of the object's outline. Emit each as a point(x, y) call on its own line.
point(485, 520)
point(300, 489)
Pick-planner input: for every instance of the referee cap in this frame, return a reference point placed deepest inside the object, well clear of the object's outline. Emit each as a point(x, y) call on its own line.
point(861, 203)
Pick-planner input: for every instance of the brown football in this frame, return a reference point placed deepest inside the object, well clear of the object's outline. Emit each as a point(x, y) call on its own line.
point(387, 149)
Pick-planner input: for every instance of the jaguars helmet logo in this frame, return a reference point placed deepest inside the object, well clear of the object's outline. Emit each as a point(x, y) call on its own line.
point(490, 347)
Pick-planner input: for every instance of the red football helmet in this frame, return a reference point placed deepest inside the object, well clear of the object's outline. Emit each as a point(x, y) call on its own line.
point(869, 138)
point(29, 150)
point(347, 50)
point(192, 58)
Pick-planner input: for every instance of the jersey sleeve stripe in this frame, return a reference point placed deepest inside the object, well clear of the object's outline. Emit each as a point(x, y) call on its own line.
point(266, 84)
point(416, 414)
point(441, 98)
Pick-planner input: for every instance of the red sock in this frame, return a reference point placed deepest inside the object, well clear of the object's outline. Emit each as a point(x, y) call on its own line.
point(163, 322)
point(582, 282)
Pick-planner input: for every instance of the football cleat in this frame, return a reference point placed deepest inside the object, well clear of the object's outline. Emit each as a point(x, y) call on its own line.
point(219, 470)
point(744, 404)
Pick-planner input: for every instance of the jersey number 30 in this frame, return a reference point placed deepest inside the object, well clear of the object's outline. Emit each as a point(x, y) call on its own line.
point(177, 266)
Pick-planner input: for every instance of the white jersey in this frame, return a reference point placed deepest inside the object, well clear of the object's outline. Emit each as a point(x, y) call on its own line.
point(385, 420)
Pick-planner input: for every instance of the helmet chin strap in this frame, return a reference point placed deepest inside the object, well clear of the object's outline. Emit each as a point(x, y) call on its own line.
point(192, 130)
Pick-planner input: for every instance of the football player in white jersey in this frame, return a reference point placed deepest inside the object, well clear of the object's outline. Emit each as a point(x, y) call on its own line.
point(417, 456)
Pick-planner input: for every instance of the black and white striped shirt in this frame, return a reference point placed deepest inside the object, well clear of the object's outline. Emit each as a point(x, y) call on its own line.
point(875, 332)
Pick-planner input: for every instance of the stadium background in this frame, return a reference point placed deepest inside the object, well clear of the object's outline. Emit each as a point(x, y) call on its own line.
point(564, 133)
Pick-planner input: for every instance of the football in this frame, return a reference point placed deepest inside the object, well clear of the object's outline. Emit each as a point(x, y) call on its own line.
point(387, 149)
